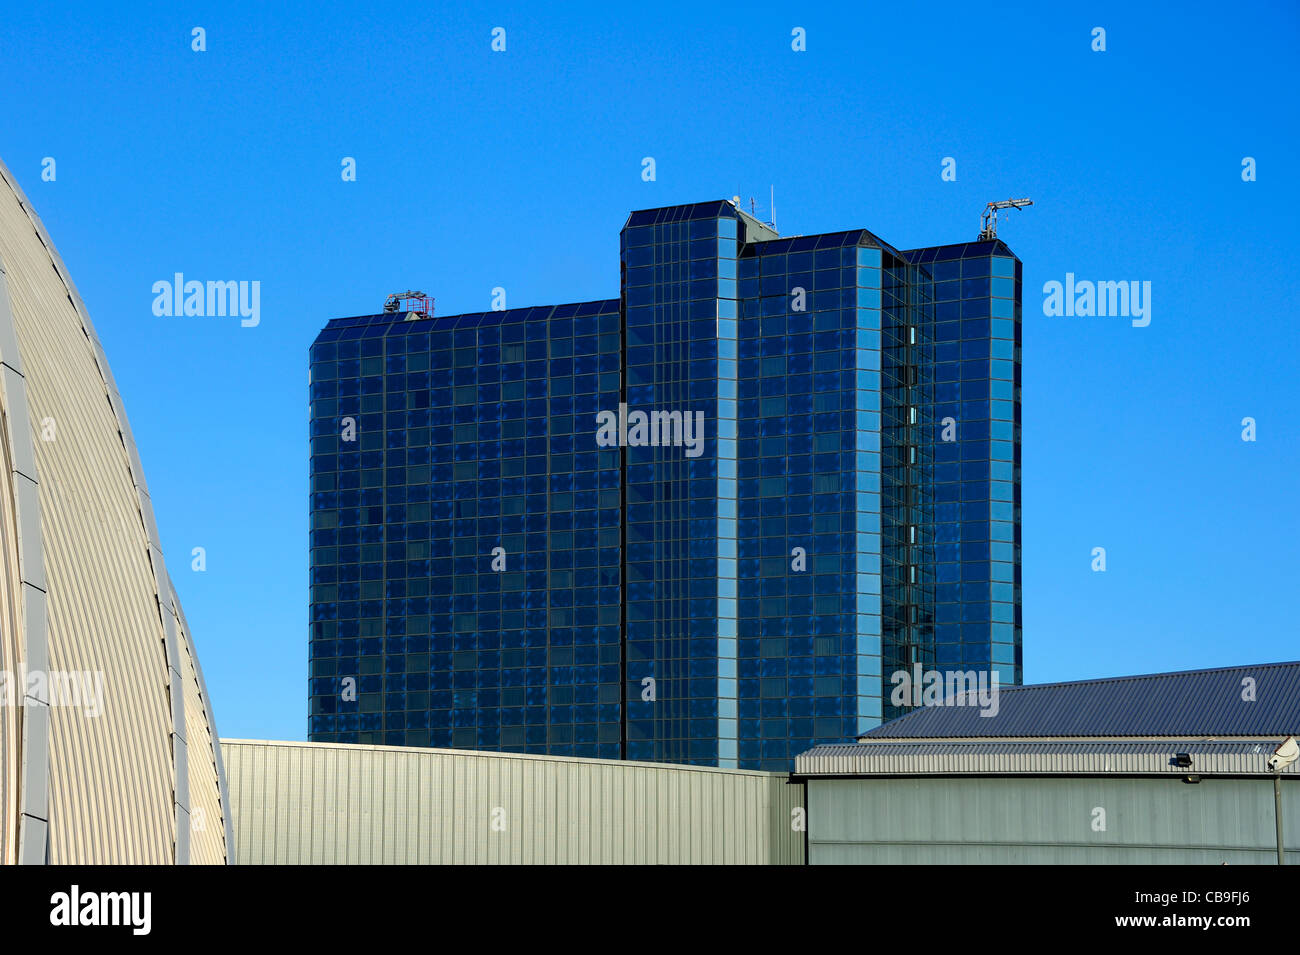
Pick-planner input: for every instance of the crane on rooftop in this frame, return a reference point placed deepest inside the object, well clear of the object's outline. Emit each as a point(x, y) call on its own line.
point(989, 219)
point(411, 302)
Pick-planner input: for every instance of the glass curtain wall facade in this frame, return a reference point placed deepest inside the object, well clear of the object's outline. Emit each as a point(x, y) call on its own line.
point(908, 437)
point(975, 407)
point(810, 493)
point(465, 532)
point(491, 569)
point(679, 297)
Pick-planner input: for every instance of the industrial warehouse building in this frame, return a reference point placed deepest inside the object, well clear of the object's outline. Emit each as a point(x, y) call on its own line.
point(1085, 772)
point(108, 750)
point(342, 804)
point(1072, 773)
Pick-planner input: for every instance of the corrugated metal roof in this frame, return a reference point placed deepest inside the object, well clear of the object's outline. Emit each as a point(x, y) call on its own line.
point(1233, 702)
point(1058, 757)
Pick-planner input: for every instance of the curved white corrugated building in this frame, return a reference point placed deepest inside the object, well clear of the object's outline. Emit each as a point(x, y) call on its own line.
point(107, 745)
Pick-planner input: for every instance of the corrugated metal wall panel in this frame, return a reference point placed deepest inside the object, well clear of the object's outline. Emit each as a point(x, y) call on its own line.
point(111, 776)
point(11, 647)
point(296, 803)
point(1047, 821)
point(999, 757)
point(207, 826)
point(208, 774)
point(22, 631)
point(119, 782)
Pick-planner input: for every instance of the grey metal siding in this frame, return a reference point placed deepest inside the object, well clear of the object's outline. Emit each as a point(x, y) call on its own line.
point(303, 803)
point(1040, 758)
point(1048, 821)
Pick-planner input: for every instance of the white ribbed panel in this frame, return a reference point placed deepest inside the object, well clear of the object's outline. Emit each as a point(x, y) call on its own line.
point(122, 784)
point(211, 823)
point(24, 725)
point(11, 655)
point(323, 803)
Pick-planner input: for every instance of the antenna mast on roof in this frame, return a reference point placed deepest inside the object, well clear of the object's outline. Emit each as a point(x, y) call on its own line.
point(989, 220)
point(773, 209)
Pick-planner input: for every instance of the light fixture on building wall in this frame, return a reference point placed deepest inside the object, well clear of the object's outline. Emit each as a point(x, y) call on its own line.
point(1285, 754)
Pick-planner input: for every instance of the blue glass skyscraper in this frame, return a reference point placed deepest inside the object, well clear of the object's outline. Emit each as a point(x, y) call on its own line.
point(973, 373)
point(492, 569)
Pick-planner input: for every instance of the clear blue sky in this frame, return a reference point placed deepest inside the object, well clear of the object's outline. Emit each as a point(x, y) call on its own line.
point(478, 169)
